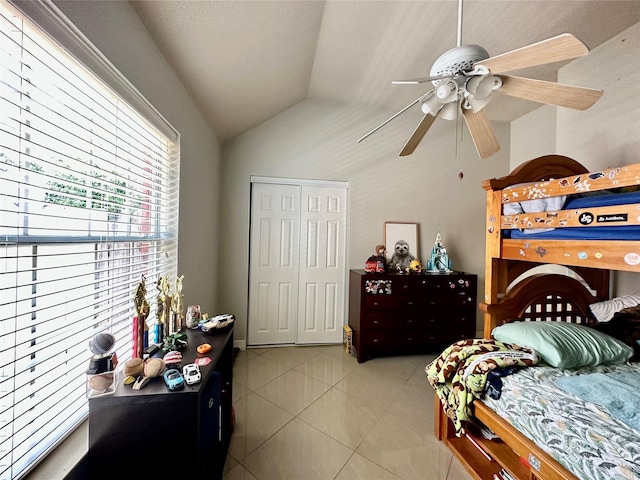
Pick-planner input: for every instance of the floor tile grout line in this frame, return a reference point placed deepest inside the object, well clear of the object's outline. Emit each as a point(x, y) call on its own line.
point(387, 409)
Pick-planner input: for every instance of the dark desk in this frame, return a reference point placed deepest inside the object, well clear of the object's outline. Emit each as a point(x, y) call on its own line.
point(164, 434)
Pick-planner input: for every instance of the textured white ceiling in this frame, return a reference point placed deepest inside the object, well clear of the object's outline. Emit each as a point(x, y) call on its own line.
point(246, 61)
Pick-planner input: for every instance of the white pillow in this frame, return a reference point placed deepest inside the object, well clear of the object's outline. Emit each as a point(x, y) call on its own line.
point(604, 311)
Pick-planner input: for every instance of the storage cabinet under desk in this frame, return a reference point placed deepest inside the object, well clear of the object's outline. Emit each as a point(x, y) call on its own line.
point(162, 434)
point(393, 313)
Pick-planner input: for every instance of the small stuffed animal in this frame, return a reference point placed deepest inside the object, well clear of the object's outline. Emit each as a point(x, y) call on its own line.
point(414, 267)
point(401, 256)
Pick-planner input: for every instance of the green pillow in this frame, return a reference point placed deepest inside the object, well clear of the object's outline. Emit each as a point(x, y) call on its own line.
point(565, 345)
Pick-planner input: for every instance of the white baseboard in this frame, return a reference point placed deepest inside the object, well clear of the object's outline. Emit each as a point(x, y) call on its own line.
point(241, 344)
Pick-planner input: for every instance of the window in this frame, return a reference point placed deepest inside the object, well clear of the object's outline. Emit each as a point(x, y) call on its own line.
point(88, 205)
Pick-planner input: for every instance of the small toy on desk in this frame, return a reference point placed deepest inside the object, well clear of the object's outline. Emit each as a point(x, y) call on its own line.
point(174, 379)
point(133, 367)
point(218, 323)
point(191, 374)
point(153, 367)
point(204, 348)
point(101, 374)
point(194, 314)
point(175, 341)
point(172, 359)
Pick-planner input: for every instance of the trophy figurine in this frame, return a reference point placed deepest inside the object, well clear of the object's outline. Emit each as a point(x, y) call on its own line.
point(139, 321)
point(178, 305)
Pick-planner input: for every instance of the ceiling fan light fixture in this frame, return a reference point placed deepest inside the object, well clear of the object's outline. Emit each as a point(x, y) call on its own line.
point(449, 111)
point(475, 104)
point(482, 86)
point(431, 105)
point(447, 91)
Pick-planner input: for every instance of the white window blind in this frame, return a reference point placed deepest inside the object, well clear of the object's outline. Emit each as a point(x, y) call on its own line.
point(88, 205)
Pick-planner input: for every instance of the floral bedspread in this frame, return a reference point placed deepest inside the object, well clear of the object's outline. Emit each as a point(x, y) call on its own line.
point(459, 374)
point(580, 435)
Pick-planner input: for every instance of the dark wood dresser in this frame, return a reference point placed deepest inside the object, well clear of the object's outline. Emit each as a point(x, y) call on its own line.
point(156, 433)
point(391, 313)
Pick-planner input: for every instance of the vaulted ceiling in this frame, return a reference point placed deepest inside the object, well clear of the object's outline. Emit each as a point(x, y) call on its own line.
point(245, 61)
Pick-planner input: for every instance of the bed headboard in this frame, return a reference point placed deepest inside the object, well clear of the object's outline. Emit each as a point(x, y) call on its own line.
point(542, 297)
point(541, 168)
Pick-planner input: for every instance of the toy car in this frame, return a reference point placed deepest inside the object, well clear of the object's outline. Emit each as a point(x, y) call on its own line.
point(191, 373)
point(174, 379)
point(218, 322)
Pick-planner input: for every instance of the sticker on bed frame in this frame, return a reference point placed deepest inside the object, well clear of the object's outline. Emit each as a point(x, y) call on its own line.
point(632, 258)
point(541, 251)
point(614, 217)
point(626, 176)
point(583, 255)
point(586, 218)
point(534, 461)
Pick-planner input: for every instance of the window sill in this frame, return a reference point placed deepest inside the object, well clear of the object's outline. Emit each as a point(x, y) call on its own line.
point(64, 458)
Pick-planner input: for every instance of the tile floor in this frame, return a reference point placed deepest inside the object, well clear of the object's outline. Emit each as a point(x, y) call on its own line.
point(315, 413)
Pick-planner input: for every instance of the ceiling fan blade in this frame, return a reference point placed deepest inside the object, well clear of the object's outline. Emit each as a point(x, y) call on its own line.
point(418, 134)
point(481, 132)
point(578, 98)
point(415, 81)
point(555, 49)
point(419, 99)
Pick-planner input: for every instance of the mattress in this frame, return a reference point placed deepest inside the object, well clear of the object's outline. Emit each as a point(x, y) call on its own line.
point(579, 202)
point(582, 436)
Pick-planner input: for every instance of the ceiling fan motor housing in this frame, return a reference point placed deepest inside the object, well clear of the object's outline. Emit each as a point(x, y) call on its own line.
point(457, 61)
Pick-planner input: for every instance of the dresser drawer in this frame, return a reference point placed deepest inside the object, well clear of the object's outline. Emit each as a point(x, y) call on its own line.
point(449, 300)
point(375, 303)
point(391, 320)
point(447, 283)
point(389, 341)
point(450, 322)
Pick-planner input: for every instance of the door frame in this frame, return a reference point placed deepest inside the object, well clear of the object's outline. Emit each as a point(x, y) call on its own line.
point(303, 182)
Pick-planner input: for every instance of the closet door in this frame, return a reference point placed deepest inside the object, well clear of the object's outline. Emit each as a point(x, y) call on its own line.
point(274, 264)
point(323, 216)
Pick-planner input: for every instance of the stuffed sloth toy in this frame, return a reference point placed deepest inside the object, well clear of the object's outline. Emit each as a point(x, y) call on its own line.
point(401, 258)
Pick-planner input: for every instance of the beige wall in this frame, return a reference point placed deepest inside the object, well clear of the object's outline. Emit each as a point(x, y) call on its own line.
point(318, 140)
point(607, 134)
point(118, 33)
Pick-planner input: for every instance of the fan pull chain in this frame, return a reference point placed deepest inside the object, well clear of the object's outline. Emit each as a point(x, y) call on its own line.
point(459, 141)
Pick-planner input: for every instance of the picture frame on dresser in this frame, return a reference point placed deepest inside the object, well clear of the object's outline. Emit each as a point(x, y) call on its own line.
point(401, 242)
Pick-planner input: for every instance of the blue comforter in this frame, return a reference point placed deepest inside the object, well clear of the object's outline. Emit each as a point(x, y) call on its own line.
point(619, 393)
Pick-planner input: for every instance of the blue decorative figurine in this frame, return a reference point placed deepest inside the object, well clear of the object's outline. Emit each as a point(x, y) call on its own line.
point(439, 261)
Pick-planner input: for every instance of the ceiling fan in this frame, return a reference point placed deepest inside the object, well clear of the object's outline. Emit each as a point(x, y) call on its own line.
point(465, 77)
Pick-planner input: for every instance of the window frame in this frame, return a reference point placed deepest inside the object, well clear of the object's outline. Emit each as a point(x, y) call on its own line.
point(48, 18)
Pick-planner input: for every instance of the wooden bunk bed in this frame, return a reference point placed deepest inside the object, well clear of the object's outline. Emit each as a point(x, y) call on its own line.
point(542, 297)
